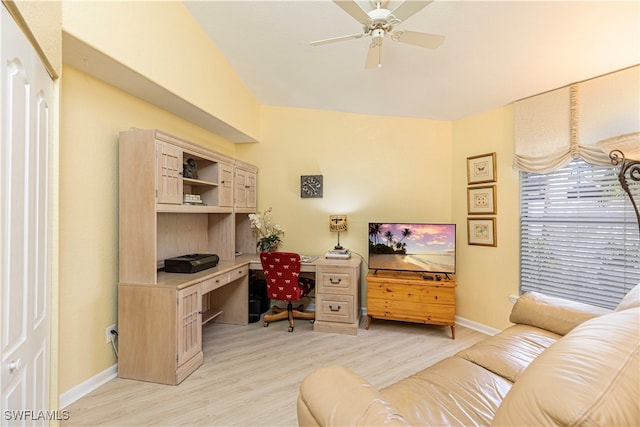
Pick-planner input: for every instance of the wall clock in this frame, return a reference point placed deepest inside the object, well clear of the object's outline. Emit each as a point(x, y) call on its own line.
point(310, 186)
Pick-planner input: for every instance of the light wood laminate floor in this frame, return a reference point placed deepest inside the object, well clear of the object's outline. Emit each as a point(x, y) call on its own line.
point(251, 375)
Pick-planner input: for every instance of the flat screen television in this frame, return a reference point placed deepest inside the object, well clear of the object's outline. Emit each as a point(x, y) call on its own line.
point(421, 247)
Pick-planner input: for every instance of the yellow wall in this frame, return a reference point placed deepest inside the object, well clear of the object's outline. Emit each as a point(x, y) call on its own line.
point(162, 41)
point(92, 114)
point(487, 276)
point(374, 169)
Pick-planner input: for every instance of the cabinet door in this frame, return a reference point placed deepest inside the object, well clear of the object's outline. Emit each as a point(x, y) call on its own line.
point(250, 185)
point(241, 190)
point(169, 169)
point(189, 323)
point(226, 185)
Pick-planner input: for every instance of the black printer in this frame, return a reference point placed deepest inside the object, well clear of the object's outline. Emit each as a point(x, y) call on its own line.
point(191, 263)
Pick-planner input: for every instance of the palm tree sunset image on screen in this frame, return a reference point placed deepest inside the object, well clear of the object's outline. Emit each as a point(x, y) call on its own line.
point(420, 247)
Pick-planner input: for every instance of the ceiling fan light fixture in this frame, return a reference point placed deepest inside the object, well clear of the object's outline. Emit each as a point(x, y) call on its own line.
point(377, 36)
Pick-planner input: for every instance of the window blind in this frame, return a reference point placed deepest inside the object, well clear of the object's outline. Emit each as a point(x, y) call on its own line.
point(579, 235)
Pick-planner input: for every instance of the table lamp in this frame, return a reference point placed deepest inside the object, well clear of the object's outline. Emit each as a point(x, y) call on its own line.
point(337, 223)
point(624, 150)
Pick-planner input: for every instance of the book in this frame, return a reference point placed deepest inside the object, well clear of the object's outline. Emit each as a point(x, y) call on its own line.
point(338, 254)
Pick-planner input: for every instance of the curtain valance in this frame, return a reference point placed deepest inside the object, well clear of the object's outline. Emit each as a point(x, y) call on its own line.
point(555, 127)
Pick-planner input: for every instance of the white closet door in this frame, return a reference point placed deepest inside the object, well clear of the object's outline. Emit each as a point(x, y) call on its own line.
point(26, 106)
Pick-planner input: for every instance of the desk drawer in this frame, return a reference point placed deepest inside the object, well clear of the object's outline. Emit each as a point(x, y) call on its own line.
point(237, 273)
point(222, 279)
point(214, 283)
point(335, 308)
point(335, 281)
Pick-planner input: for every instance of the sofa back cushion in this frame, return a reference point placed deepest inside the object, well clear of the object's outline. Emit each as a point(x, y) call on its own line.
point(588, 377)
point(553, 314)
point(631, 300)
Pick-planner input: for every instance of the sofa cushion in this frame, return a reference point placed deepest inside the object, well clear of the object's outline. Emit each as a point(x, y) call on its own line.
point(551, 313)
point(589, 377)
point(453, 392)
point(510, 352)
point(631, 299)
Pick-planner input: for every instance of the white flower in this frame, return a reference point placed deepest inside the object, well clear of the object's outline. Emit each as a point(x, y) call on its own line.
point(267, 232)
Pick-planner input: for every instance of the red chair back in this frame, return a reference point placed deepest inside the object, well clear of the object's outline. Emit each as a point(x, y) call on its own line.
point(282, 270)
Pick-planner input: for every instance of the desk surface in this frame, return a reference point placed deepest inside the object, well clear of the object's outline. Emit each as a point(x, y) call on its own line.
point(254, 262)
point(182, 280)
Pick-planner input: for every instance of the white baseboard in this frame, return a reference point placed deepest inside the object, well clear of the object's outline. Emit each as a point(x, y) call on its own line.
point(82, 389)
point(476, 326)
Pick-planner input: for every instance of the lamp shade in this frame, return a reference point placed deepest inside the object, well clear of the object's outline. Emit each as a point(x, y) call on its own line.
point(628, 144)
point(337, 223)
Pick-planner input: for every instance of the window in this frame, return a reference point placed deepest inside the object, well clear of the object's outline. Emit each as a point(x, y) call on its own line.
point(579, 235)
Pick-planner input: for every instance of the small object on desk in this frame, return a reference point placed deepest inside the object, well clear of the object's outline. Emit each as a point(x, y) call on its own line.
point(307, 258)
point(338, 253)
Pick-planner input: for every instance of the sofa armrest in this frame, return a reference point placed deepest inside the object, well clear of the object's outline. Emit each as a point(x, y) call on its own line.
point(553, 314)
point(335, 396)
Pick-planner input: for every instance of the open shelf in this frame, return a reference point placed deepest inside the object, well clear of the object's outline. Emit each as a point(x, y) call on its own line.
point(211, 315)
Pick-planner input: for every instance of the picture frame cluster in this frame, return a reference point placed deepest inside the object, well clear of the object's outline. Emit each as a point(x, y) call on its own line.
point(482, 199)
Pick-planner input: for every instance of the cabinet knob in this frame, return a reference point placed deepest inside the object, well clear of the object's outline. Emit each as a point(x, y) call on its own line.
point(336, 309)
point(15, 365)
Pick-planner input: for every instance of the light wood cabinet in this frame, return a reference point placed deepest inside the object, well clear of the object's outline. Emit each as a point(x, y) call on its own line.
point(159, 332)
point(245, 181)
point(169, 169)
point(408, 297)
point(337, 296)
point(160, 315)
point(155, 224)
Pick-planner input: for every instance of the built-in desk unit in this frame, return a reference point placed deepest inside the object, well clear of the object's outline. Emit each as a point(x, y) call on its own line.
point(160, 315)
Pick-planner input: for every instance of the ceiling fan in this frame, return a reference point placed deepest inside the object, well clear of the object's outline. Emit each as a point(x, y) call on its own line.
point(380, 22)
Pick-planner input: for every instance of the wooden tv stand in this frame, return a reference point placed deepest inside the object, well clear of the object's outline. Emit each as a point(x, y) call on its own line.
point(409, 297)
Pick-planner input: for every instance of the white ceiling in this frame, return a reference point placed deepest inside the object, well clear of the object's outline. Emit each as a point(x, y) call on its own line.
point(495, 52)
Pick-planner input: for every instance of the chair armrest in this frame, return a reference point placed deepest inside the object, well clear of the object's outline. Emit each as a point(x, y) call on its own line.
point(553, 314)
point(335, 396)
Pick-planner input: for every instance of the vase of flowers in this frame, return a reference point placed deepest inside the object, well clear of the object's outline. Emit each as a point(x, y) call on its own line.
point(267, 232)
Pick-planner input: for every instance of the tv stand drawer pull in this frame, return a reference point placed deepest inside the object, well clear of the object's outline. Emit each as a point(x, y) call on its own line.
point(335, 282)
point(336, 309)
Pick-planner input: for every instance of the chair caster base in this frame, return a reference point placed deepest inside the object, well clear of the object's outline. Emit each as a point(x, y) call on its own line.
point(290, 328)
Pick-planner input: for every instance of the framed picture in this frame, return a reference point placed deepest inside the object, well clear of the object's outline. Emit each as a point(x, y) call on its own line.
point(481, 169)
point(481, 231)
point(482, 200)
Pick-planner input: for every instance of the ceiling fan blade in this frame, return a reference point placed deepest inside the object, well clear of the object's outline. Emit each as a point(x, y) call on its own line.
point(353, 9)
point(430, 41)
point(374, 57)
point(336, 39)
point(409, 7)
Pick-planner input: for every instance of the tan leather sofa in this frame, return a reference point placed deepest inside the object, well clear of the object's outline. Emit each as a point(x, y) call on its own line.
point(561, 363)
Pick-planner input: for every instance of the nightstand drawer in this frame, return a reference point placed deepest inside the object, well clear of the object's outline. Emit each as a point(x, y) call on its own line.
point(334, 308)
point(335, 281)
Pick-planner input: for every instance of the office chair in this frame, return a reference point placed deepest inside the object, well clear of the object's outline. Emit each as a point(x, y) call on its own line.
point(282, 271)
